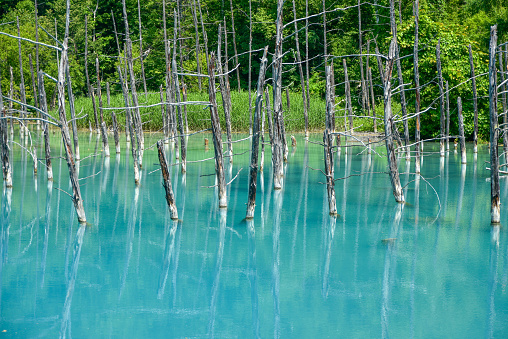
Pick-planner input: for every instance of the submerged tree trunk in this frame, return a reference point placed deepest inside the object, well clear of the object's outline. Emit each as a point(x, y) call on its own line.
point(328, 143)
point(495, 215)
point(216, 130)
point(462, 138)
point(388, 120)
point(253, 172)
point(166, 182)
point(45, 125)
point(277, 130)
point(441, 100)
point(4, 150)
point(77, 199)
point(417, 89)
point(104, 131)
point(475, 101)
point(226, 101)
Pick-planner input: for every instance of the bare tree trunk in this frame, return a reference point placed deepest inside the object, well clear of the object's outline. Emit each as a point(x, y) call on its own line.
point(88, 88)
point(475, 101)
point(447, 117)
point(166, 182)
point(234, 44)
point(166, 117)
point(495, 215)
point(104, 131)
point(183, 152)
point(250, 66)
point(349, 108)
point(129, 123)
point(184, 96)
point(34, 87)
point(23, 130)
point(45, 125)
point(388, 120)
point(11, 96)
point(441, 100)
point(462, 138)
point(226, 103)
point(277, 131)
point(307, 53)
point(4, 148)
point(36, 55)
point(417, 88)
point(115, 133)
point(372, 98)
point(253, 172)
point(77, 200)
point(504, 113)
point(217, 139)
point(328, 143)
point(141, 50)
point(362, 77)
point(108, 94)
point(325, 43)
point(198, 66)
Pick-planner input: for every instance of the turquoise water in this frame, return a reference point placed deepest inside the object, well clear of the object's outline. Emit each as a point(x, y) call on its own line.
point(433, 267)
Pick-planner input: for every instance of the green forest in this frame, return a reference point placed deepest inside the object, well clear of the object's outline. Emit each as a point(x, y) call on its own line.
point(330, 32)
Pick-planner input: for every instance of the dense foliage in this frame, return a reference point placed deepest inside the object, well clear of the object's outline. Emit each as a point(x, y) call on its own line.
point(457, 23)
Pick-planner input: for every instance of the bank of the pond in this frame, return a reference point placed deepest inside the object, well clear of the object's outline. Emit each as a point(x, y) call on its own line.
point(198, 116)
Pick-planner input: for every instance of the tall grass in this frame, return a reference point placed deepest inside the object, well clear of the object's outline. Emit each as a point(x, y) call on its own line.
point(198, 116)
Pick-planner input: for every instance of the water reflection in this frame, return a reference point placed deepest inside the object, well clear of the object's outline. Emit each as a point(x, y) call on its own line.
point(277, 202)
point(65, 328)
point(218, 269)
point(253, 277)
point(46, 232)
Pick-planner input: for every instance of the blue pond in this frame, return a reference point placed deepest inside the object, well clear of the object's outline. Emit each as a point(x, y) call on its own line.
point(433, 267)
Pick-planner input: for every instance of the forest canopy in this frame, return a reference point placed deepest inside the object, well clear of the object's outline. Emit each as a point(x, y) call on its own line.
point(458, 23)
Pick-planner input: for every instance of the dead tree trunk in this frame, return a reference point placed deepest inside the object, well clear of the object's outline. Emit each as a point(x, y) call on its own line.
point(417, 89)
point(141, 50)
point(362, 77)
point(277, 131)
point(253, 173)
point(166, 182)
point(198, 66)
point(104, 131)
point(441, 100)
point(462, 138)
point(217, 139)
point(129, 123)
point(23, 130)
point(307, 53)
point(250, 67)
point(475, 101)
point(234, 45)
point(73, 114)
point(136, 117)
point(328, 143)
point(388, 120)
point(495, 215)
point(504, 113)
point(183, 146)
point(447, 117)
point(86, 61)
point(349, 108)
point(45, 125)
point(4, 148)
point(372, 98)
point(226, 102)
point(34, 87)
point(76, 198)
point(115, 133)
